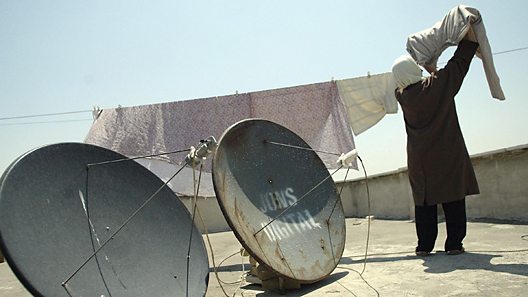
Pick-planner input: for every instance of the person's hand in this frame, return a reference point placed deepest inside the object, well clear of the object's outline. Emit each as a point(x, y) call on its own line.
point(430, 68)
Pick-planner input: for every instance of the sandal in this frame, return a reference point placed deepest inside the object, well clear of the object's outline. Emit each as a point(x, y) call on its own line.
point(456, 252)
point(422, 253)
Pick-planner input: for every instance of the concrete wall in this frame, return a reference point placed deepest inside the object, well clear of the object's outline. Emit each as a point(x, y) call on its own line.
point(210, 212)
point(502, 177)
point(390, 196)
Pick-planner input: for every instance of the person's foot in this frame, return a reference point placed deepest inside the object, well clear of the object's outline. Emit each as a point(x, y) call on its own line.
point(423, 253)
point(455, 252)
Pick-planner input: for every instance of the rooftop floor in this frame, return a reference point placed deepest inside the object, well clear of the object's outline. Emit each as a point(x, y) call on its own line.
point(495, 264)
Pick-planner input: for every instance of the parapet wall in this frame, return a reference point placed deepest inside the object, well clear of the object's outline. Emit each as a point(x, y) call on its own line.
point(502, 176)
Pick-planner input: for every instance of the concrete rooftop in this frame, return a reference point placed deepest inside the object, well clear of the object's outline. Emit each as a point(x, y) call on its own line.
point(495, 264)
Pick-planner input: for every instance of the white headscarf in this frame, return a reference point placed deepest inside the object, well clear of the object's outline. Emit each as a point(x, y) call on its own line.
point(406, 72)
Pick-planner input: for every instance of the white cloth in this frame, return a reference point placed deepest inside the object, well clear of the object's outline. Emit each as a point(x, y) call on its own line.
point(406, 72)
point(427, 45)
point(367, 99)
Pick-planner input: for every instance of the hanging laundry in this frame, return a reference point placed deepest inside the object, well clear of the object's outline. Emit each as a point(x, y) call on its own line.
point(367, 99)
point(426, 46)
point(315, 112)
point(165, 127)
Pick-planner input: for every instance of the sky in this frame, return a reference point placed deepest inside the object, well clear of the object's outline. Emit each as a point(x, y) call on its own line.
point(70, 55)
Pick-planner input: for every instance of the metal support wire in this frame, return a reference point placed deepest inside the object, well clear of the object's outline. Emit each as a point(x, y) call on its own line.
point(87, 209)
point(215, 268)
point(300, 147)
point(339, 196)
point(297, 202)
point(138, 157)
point(307, 193)
point(368, 217)
point(339, 199)
point(121, 227)
point(196, 188)
point(196, 209)
point(368, 234)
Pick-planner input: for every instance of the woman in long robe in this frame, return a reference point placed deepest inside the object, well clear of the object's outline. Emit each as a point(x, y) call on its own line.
point(440, 170)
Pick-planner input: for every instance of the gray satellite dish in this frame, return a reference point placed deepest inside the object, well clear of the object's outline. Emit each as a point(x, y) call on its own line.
point(279, 200)
point(55, 214)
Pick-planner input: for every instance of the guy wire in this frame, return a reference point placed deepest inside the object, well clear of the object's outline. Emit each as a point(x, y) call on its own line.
point(121, 227)
point(138, 157)
point(332, 212)
point(368, 235)
point(368, 204)
point(196, 189)
point(206, 232)
point(368, 215)
point(90, 231)
point(303, 196)
point(339, 196)
point(297, 202)
point(197, 209)
point(225, 259)
point(215, 268)
point(300, 147)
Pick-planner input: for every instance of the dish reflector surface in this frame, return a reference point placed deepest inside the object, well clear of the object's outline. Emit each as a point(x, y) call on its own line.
point(54, 213)
point(265, 175)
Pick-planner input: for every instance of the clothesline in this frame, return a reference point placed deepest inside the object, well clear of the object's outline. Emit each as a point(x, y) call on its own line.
point(499, 53)
point(90, 111)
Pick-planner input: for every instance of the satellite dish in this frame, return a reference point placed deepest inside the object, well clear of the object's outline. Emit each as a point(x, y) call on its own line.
point(279, 200)
point(56, 213)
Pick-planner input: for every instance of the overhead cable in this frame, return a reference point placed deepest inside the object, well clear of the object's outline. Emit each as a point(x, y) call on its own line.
point(44, 115)
point(512, 50)
point(44, 122)
point(91, 111)
point(499, 53)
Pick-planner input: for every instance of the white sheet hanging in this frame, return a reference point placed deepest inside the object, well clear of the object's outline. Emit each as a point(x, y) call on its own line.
point(367, 99)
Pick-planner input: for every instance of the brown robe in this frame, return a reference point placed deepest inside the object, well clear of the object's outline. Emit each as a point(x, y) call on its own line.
point(438, 162)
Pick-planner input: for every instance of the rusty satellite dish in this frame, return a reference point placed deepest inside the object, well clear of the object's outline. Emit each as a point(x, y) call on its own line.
point(279, 199)
point(56, 213)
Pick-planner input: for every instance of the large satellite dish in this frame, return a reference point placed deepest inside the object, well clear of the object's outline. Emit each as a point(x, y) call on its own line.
point(56, 213)
point(279, 200)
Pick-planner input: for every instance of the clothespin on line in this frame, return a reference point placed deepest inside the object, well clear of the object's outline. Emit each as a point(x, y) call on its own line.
point(346, 160)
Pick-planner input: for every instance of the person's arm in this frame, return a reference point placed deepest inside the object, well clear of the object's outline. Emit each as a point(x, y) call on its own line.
point(470, 36)
point(456, 69)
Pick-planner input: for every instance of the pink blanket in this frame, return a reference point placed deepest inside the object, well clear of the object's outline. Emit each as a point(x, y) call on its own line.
point(315, 112)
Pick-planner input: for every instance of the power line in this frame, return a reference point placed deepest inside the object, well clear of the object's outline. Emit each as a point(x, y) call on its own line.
point(44, 115)
point(498, 53)
point(512, 50)
point(86, 111)
point(45, 122)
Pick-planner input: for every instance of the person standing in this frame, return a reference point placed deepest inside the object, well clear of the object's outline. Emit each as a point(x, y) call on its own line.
point(439, 167)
